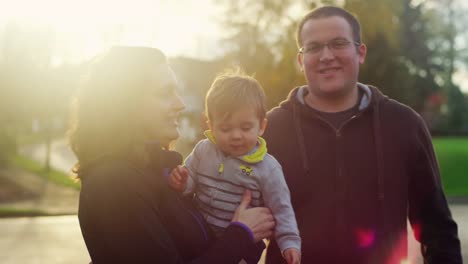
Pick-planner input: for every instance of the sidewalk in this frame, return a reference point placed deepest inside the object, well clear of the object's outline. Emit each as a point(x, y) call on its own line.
point(25, 191)
point(37, 240)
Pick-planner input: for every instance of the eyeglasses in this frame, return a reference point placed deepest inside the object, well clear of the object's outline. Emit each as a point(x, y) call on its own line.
point(332, 45)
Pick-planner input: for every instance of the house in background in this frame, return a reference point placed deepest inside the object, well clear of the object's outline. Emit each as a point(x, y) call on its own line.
point(195, 77)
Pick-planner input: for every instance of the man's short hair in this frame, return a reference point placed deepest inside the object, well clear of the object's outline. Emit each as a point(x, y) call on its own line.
point(329, 11)
point(233, 90)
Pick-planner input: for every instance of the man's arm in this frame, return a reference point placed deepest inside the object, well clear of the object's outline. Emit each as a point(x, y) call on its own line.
point(428, 209)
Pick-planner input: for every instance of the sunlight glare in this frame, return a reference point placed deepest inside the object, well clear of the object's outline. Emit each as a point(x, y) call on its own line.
point(84, 28)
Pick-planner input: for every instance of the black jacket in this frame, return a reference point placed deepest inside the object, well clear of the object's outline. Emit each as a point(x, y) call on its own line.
point(128, 215)
point(353, 188)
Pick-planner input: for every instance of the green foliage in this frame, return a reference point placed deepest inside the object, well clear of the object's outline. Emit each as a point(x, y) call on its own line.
point(54, 176)
point(400, 61)
point(378, 19)
point(411, 47)
point(261, 40)
point(452, 154)
point(31, 88)
point(7, 147)
point(457, 110)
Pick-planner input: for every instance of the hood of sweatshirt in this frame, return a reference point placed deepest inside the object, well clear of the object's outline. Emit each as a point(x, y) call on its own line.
point(371, 97)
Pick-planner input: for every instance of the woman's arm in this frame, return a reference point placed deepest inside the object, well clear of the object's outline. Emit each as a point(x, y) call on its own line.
point(121, 223)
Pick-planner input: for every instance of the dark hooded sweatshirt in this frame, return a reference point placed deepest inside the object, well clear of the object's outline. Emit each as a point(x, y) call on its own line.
point(354, 187)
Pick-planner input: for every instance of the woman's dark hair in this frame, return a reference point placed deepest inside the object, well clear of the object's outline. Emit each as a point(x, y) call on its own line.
point(104, 114)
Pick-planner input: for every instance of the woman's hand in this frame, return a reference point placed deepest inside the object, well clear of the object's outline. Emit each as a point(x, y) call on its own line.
point(259, 219)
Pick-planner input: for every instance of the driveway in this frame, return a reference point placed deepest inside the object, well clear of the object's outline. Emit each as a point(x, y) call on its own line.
point(57, 239)
point(37, 240)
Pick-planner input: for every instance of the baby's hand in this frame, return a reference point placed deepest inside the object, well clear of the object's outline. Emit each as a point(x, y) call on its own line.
point(178, 178)
point(292, 256)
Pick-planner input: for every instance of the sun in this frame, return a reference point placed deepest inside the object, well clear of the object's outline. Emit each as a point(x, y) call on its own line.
point(85, 27)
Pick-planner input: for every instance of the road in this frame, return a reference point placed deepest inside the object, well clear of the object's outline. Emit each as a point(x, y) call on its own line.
point(38, 240)
point(55, 240)
point(58, 239)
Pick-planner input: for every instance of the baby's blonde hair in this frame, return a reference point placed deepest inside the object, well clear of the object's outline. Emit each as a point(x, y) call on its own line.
point(232, 90)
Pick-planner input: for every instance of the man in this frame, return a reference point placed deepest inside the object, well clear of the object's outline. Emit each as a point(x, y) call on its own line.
point(358, 164)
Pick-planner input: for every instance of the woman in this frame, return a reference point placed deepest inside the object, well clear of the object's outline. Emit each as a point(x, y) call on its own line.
point(124, 118)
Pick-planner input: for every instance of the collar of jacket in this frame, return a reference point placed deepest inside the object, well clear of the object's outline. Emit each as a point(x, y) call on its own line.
point(363, 104)
point(252, 157)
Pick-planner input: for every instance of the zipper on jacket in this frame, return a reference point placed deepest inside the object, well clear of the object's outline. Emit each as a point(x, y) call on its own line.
point(339, 170)
point(215, 191)
point(338, 131)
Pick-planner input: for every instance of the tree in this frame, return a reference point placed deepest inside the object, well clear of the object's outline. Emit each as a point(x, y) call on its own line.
point(399, 60)
point(28, 83)
point(404, 59)
point(261, 38)
point(450, 38)
point(263, 41)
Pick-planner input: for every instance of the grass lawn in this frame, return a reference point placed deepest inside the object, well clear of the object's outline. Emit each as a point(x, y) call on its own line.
point(452, 154)
point(55, 176)
point(15, 212)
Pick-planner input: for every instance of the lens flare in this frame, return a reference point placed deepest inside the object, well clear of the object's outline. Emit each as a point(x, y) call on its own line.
point(365, 237)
